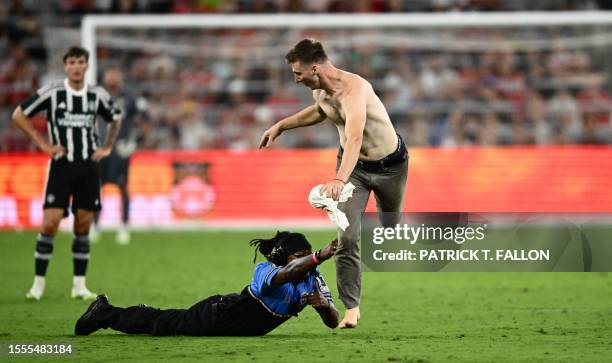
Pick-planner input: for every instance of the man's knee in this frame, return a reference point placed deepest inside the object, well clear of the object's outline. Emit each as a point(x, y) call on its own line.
point(49, 228)
point(82, 222)
point(51, 223)
point(348, 241)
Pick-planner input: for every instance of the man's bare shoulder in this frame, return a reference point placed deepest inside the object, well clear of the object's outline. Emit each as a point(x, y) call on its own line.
point(354, 80)
point(354, 85)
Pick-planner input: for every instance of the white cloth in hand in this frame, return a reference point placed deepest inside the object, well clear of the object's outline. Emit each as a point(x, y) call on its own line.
point(331, 206)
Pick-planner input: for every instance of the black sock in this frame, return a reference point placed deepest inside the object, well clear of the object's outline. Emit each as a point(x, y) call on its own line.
point(125, 205)
point(80, 254)
point(42, 255)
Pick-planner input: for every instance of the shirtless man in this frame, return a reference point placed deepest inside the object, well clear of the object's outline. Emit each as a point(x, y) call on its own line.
point(372, 156)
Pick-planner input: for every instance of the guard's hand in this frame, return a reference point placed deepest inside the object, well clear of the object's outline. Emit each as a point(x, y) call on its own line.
point(317, 300)
point(56, 151)
point(101, 153)
point(329, 250)
point(332, 189)
point(269, 136)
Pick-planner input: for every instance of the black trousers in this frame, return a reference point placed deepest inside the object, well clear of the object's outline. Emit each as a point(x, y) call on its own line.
point(232, 314)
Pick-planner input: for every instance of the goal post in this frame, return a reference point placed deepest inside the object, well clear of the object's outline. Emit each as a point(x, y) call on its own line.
point(91, 23)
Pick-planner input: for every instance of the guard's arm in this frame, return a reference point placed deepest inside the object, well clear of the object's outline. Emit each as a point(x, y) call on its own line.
point(297, 269)
point(326, 310)
point(320, 299)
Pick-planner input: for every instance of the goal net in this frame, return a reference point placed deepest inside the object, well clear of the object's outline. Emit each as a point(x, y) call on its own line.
point(446, 79)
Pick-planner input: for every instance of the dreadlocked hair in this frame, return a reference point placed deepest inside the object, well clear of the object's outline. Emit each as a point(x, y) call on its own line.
point(278, 248)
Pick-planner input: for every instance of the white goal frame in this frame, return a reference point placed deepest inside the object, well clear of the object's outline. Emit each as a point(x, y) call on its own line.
point(429, 20)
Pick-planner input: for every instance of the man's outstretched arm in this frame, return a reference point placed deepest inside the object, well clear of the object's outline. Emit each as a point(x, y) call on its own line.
point(297, 269)
point(309, 116)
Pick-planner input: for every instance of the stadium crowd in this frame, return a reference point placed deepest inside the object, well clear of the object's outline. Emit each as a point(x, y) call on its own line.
point(222, 88)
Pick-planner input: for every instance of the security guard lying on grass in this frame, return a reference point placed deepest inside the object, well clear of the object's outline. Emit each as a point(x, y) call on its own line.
point(280, 289)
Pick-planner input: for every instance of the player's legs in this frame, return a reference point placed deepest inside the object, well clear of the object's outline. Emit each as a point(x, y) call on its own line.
point(44, 242)
point(125, 204)
point(44, 250)
point(123, 165)
point(81, 244)
point(348, 260)
point(121, 179)
point(81, 248)
point(114, 170)
point(106, 176)
point(94, 231)
point(123, 233)
point(82, 221)
point(56, 198)
point(86, 201)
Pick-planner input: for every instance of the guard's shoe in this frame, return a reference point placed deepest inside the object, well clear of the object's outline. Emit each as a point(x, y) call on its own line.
point(34, 294)
point(82, 294)
point(88, 323)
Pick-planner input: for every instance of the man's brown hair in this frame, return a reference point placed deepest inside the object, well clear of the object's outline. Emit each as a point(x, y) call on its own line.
point(307, 51)
point(76, 52)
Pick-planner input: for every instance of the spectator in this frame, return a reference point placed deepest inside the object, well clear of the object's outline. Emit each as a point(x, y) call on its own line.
point(565, 117)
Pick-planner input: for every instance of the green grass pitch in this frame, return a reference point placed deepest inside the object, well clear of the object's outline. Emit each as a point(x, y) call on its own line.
point(406, 317)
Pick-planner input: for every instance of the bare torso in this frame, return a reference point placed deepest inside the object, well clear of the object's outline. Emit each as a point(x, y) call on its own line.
point(379, 137)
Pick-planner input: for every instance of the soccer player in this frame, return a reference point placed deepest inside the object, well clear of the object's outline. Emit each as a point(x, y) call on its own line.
point(280, 289)
point(71, 108)
point(372, 155)
point(134, 127)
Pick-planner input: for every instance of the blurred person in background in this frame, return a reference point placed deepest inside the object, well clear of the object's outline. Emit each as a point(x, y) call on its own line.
point(596, 113)
point(18, 77)
point(194, 134)
point(134, 129)
point(594, 103)
point(436, 76)
point(71, 108)
point(372, 156)
point(564, 114)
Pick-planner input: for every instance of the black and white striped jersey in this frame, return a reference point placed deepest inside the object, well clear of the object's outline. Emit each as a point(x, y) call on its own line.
point(71, 116)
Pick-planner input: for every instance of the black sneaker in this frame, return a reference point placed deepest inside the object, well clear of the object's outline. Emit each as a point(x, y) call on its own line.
point(87, 323)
